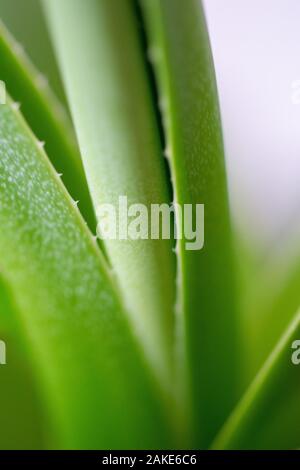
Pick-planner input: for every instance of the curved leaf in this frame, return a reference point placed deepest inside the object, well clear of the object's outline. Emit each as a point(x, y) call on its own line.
point(180, 52)
point(45, 116)
point(268, 416)
point(100, 391)
point(21, 408)
point(104, 74)
point(273, 302)
point(26, 22)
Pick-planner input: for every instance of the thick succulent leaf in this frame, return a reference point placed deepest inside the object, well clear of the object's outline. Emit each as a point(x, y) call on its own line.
point(6, 319)
point(21, 416)
point(26, 22)
point(180, 52)
point(105, 78)
point(268, 310)
point(99, 390)
point(268, 416)
point(45, 116)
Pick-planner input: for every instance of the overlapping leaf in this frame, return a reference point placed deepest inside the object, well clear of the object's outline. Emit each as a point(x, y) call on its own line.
point(45, 116)
point(99, 391)
point(108, 91)
point(268, 416)
point(179, 49)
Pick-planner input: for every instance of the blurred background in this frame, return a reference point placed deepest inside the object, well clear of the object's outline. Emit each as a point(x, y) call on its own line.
point(255, 43)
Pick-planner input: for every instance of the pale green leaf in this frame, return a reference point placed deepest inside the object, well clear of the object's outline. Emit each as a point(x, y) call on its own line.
point(46, 117)
point(180, 52)
point(106, 83)
point(268, 416)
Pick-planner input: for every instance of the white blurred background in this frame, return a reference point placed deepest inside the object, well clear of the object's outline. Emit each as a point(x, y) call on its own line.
point(256, 48)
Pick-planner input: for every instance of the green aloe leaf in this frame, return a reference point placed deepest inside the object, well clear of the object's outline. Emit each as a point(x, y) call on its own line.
point(102, 65)
point(268, 416)
point(180, 52)
point(99, 390)
point(6, 319)
point(21, 416)
point(46, 117)
point(25, 20)
point(275, 299)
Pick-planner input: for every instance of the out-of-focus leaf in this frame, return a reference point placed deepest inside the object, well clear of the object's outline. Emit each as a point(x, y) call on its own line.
point(268, 416)
point(21, 417)
point(106, 83)
point(46, 118)
point(268, 308)
point(26, 22)
point(99, 390)
point(180, 52)
point(6, 319)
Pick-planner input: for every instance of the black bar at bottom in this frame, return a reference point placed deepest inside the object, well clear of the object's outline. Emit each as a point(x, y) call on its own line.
point(133, 459)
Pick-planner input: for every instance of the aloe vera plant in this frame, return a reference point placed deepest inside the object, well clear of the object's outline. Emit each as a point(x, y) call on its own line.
point(188, 100)
point(119, 142)
point(130, 343)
